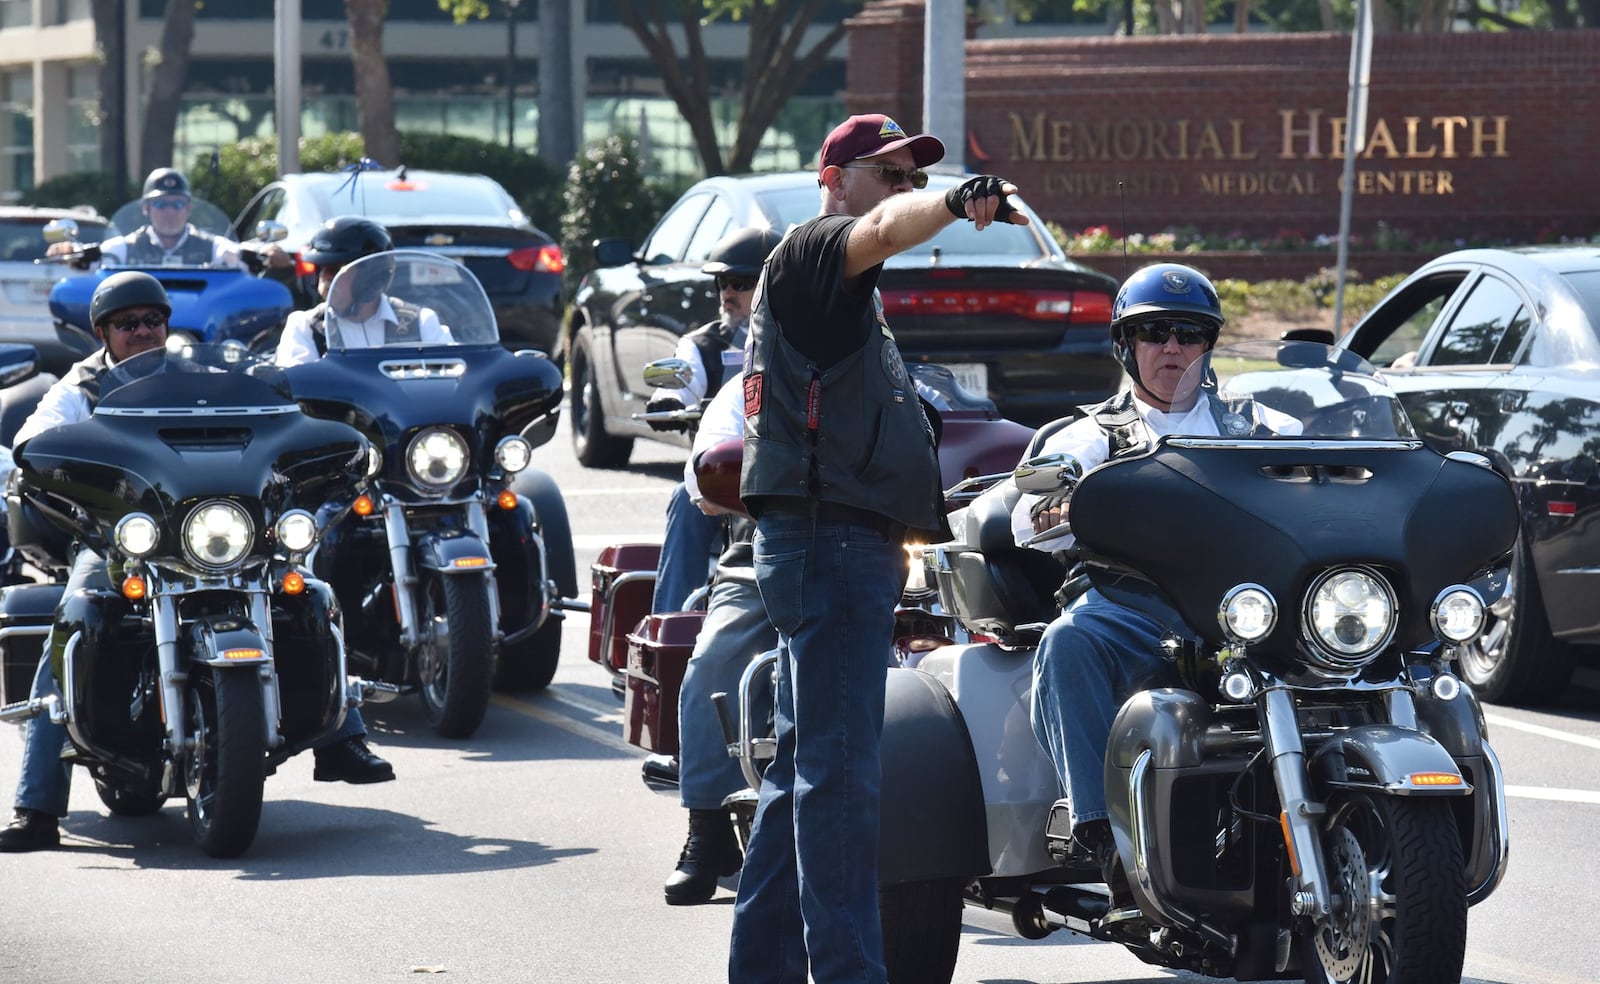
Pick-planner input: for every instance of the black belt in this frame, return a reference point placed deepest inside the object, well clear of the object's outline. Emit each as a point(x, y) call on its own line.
point(892, 531)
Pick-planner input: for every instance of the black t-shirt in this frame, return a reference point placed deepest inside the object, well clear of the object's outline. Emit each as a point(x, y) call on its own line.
point(821, 313)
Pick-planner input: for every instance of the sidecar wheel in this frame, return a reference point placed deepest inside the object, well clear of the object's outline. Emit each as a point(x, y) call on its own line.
point(921, 930)
point(456, 667)
point(225, 771)
point(125, 802)
point(1517, 660)
point(1397, 863)
point(531, 663)
point(594, 446)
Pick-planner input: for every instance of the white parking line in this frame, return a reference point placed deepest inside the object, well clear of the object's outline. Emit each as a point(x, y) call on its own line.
point(1558, 795)
point(1501, 721)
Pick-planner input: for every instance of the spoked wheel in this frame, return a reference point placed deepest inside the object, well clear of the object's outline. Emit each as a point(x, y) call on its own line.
point(455, 662)
point(225, 770)
point(1516, 660)
point(1400, 912)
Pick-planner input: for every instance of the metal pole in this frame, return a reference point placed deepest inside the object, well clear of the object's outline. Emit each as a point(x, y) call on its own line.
point(511, 68)
point(286, 72)
point(944, 89)
point(1355, 141)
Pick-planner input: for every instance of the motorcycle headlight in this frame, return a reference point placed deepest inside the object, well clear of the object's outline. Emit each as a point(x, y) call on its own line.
point(137, 534)
point(1457, 614)
point(297, 530)
point(1350, 617)
point(1247, 613)
point(437, 457)
point(217, 534)
point(513, 454)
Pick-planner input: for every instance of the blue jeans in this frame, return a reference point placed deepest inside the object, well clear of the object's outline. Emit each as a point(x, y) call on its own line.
point(46, 780)
point(809, 890)
point(688, 550)
point(1092, 657)
point(736, 630)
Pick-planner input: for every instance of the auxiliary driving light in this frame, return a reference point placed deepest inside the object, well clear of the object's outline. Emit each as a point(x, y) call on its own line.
point(297, 530)
point(136, 534)
point(513, 453)
point(1247, 613)
point(1457, 614)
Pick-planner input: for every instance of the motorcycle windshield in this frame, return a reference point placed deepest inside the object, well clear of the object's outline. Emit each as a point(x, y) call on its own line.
point(216, 379)
point(407, 299)
point(201, 215)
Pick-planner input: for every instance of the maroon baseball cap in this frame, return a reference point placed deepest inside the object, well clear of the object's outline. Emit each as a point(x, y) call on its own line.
point(872, 134)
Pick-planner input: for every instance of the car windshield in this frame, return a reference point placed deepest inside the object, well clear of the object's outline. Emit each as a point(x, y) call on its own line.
point(407, 299)
point(1587, 285)
point(22, 240)
point(391, 196)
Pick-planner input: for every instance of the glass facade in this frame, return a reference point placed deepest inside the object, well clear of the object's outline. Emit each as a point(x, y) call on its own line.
point(16, 133)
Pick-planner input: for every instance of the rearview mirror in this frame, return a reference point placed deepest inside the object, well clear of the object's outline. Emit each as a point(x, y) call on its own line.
point(1047, 474)
point(668, 374)
point(61, 231)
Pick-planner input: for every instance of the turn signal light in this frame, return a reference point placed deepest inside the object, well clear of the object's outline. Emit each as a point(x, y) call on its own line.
point(470, 562)
point(133, 588)
point(1435, 779)
point(293, 583)
point(363, 505)
point(242, 654)
point(506, 500)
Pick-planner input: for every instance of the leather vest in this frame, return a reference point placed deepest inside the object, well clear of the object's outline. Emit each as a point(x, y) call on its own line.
point(85, 375)
point(1127, 435)
point(394, 333)
point(197, 249)
point(712, 340)
point(851, 435)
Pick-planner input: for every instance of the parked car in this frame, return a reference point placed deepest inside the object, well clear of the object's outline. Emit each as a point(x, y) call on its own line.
point(1004, 309)
point(1498, 351)
point(467, 217)
point(25, 285)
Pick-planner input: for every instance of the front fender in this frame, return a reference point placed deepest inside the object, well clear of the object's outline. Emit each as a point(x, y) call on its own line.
point(226, 640)
point(932, 824)
point(452, 552)
point(1387, 759)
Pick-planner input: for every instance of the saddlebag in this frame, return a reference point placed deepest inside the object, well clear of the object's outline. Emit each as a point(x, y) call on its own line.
point(658, 652)
point(623, 579)
point(26, 614)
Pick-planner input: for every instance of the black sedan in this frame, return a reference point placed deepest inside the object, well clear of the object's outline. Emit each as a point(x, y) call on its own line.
point(1004, 309)
point(467, 217)
point(1498, 351)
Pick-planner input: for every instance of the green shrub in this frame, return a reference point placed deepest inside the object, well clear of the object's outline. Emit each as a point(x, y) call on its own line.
point(606, 196)
point(94, 188)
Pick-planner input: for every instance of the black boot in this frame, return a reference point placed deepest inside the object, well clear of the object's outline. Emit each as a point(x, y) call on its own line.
point(350, 760)
point(1096, 838)
point(711, 852)
point(30, 830)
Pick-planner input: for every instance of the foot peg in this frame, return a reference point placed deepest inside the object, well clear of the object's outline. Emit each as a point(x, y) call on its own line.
point(371, 692)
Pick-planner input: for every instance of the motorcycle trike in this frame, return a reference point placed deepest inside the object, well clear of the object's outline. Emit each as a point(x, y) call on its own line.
point(452, 572)
point(207, 653)
point(1311, 795)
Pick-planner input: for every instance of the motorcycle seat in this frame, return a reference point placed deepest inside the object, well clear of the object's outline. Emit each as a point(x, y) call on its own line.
point(1002, 585)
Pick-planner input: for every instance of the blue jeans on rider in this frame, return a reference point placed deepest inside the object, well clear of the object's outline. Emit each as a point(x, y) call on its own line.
point(688, 551)
point(736, 630)
point(1092, 657)
point(809, 890)
point(46, 779)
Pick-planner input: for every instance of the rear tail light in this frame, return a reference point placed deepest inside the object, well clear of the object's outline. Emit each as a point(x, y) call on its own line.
point(304, 267)
point(541, 259)
point(1076, 307)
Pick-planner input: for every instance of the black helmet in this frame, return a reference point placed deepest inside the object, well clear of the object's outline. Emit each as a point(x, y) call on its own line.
point(166, 181)
point(742, 251)
point(346, 238)
point(1163, 290)
point(127, 289)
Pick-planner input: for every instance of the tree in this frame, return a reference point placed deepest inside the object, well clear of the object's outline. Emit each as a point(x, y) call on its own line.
point(374, 93)
point(110, 33)
point(170, 69)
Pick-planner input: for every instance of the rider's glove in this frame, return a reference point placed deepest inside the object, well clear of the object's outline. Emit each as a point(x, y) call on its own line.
point(982, 186)
point(665, 404)
point(1049, 502)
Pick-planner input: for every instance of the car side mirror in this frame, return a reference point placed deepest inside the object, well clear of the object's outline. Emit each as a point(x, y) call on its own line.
point(1320, 335)
point(271, 231)
point(1048, 474)
point(668, 374)
point(612, 252)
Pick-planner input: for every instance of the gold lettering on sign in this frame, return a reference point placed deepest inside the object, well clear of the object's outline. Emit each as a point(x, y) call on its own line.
point(1044, 139)
point(1434, 137)
point(1402, 183)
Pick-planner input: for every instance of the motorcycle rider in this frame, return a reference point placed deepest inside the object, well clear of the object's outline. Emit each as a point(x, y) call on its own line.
point(129, 312)
point(687, 545)
point(366, 316)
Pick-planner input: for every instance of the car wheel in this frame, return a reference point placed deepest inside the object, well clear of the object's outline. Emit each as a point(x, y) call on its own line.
point(594, 447)
point(1516, 660)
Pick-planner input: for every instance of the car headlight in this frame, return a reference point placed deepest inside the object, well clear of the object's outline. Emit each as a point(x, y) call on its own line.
point(297, 530)
point(513, 453)
point(137, 534)
point(1247, 613)
point(217, 534)
point(437, 457)
point(1350, 617)
point(1457, 614)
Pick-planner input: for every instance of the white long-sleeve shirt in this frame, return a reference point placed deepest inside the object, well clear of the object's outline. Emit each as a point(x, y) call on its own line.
point(298, 343)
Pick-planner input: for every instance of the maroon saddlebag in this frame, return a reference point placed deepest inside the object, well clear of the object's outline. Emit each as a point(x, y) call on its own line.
point(623, 578)
point(658, 652)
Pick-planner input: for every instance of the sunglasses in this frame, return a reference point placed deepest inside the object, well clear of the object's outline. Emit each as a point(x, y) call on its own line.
point(1157, 332)
point(169, 204)
point(150, 319)
point(891, 174)
point(740, 284)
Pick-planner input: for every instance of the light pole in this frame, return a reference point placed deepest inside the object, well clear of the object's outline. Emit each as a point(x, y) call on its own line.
point(511, 67)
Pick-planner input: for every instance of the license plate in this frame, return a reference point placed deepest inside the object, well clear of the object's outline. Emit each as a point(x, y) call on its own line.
point(973, 376)
point(40, 289)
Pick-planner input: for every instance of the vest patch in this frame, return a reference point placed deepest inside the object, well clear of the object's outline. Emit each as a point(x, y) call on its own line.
point(752, 394)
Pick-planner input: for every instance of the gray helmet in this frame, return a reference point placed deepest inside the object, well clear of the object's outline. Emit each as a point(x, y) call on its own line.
point(166, 181)
point(346, 238)
point(742, 251)
point(127, 289)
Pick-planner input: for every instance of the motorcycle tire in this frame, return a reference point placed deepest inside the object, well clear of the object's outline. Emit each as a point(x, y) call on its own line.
point(225, 773)
point(455, 684)
point(531, 664)
point(125, 802)
point(1516, 660)
point(594, 446)
point(1411, 851)
point(921, 930)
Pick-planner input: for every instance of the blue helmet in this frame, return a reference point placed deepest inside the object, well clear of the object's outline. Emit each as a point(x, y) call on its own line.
point(1163, 290)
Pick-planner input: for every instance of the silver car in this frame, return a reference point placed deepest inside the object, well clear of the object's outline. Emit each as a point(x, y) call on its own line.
point(25, 285)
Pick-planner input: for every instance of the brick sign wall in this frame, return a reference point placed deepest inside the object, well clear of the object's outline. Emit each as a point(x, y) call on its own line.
point(1471, 134)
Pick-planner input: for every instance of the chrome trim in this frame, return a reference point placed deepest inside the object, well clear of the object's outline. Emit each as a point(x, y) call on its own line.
point(405, 579)
point(608, 625)
point(750, 747)
point(452, 368)
point(223, 411)
point(1280, 730)
point(1142, 814)
point(271, 697)
point(1298, 444)
point(164, 624)
point(1502, 826)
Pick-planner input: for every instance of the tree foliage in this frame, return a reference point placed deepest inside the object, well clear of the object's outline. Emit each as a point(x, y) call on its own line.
point(606, 196)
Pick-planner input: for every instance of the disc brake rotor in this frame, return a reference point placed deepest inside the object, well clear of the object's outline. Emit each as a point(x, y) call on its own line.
point(1343, 938)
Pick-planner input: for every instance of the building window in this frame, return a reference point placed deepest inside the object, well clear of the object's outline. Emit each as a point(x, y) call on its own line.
point(16, 13)
point(16, 133)
point(83, 118)
point(73, 10)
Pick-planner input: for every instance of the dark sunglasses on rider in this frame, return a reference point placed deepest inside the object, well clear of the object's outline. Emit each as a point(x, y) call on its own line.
point(740, 284)
point(132, 323)
point(891, 174)
point(1157, 332)
point(169, 203)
